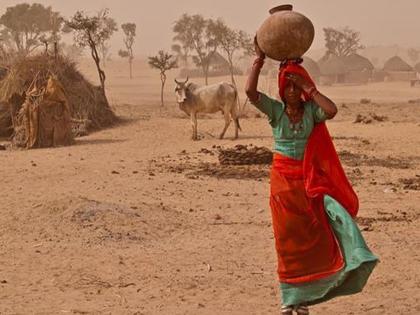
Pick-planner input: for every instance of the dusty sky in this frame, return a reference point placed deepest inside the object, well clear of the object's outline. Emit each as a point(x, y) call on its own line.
point(381, 22)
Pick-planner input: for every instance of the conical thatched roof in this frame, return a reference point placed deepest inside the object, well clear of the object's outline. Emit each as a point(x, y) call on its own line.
point(397, 64)
point(311, 66)
point(331, 65)
point(417, 67)
point(355, 62)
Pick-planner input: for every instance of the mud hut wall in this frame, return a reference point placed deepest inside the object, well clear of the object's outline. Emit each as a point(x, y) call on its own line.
point(400, 75)
point(361, 77)
point(379, 75)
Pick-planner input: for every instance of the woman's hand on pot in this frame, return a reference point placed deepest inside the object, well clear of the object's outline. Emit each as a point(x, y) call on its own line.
point(258, 51)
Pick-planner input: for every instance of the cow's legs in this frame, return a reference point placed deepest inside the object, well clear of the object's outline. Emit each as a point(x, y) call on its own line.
point(235, 121)
point(227, 123)
point(194, 125)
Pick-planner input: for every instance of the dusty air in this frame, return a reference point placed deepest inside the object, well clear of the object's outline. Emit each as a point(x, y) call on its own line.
point(202, 158)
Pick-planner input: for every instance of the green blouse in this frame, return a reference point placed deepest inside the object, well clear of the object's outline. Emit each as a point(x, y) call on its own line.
point(290, 139)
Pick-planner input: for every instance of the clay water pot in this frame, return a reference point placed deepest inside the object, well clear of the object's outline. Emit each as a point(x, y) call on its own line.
point(285, 34)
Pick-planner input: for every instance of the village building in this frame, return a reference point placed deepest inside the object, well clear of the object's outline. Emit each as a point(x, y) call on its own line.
point(359, 69)
point(333, 70)
point(398, 70)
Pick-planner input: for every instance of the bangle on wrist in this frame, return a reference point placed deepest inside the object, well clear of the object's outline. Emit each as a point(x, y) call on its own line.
point(312, 92)
point(315, 93)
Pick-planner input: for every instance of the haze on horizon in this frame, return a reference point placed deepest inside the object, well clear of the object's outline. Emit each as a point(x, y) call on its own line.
point(380, 22)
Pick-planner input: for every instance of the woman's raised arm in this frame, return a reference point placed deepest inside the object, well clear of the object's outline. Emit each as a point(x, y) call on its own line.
point(252, 82)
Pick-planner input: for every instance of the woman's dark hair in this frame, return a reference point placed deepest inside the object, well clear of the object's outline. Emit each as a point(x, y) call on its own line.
point(297, 61)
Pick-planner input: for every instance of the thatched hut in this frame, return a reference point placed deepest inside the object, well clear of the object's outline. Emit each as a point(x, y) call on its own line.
point(398, 70)
point(356, 62)
point(396, 63)
point(358, 69)
point(86, 101)
point(333, 70)
point(379, 75)
point(312, 67)
point(218, 63)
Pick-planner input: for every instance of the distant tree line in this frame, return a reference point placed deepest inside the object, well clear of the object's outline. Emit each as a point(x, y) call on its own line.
point(200, 38)
point(26, 27)
point(341, 42)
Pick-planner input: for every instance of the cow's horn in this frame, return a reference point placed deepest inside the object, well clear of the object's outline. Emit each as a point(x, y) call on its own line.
point(186, 80)
point(176, 81)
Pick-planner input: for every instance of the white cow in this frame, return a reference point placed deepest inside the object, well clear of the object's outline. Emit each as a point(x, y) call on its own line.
point(193, 99)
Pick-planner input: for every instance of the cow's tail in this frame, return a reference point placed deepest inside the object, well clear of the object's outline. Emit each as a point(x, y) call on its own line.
point(238, 109)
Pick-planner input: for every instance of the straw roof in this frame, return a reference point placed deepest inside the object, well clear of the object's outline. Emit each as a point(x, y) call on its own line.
point(86, 100)
point(331, 65)
point(3, 72)
point(397, 64)
point(311, 66)
point(355, 62)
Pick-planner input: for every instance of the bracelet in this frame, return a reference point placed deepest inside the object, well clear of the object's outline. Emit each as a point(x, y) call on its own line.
point(312, 92)
point(315, 93)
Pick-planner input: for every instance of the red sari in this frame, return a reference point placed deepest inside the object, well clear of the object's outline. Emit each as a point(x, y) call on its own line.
point(306, 247)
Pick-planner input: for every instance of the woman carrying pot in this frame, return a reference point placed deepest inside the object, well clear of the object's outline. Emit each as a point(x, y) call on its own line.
point(321, 252)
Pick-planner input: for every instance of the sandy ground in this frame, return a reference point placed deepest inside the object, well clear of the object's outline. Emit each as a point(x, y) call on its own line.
point(127, 222)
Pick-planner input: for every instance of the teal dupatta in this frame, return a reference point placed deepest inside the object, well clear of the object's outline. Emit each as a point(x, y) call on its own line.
point(359, 263)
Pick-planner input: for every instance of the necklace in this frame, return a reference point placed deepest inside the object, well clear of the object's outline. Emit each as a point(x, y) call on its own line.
point(296, 128)
point(295, 119)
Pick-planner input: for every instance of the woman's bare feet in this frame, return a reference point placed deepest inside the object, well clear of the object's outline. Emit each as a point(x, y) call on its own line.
point(287, 310)
point(302, 310)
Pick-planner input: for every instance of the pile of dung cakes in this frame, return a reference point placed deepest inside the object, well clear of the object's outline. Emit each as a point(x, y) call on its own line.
point(245, 155)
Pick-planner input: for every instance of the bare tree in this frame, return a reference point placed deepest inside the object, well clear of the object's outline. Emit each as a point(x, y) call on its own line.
point(129, 30)
point(192, 32)
point(342, 42)
point(93, 31)
point(53, 36)
point(27, 26)
point(182, 54)
point(230, 42)
point(163, 62)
